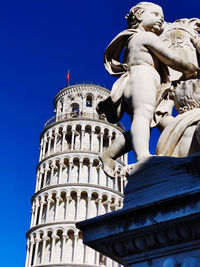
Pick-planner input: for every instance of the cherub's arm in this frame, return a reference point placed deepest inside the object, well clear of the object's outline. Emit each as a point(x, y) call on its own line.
point(170, 58)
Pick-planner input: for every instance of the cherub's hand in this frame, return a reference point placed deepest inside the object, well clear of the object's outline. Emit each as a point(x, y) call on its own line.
point(190, 75)
point(196, 42)
point(192, 72)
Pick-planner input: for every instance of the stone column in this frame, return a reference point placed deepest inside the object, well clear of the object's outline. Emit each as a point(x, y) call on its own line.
point(80, 171)
point(42, 203)
point(72, 141)
point(60, 171)
point(45, 176)
point(70, 170)
point(81, 141)
point(64, 238)
point(55, 142)
point(63, 140)
point(36, 250)
point(99, 207)
point(31, 252)
point(58, 200)
point(67, 206)
point(36, 212)
point(52, 172)
point(44, 147)
point(54, 238)
point(44, 239)
point(88, 207)
point(90, 173)
point(94, 105)
point(37, 181)
point(92, 140)
point(41, 148)
point(77, 207)
point(100, 175)
point(27, 253)
point(49, 201)
point(49, 145)
point(33, 213)
point(101, 142)
point(86, 254)
point(40, 180)
point(75, 248)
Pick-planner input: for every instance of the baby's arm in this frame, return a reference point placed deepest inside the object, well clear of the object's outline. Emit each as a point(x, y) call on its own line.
point(167, 56)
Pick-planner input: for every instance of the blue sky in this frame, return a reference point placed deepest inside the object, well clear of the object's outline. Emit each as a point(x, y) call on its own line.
point(40, 40)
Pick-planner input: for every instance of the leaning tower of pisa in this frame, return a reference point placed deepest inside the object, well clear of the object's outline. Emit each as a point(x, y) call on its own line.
point(70, 184)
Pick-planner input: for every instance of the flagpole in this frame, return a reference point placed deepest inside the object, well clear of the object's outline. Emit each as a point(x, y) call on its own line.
point(68, 76)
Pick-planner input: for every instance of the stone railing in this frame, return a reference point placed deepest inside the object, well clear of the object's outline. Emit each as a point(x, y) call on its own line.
point(77, 114)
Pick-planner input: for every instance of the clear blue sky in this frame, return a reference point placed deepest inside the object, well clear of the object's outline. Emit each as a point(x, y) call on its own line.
point(40, 40)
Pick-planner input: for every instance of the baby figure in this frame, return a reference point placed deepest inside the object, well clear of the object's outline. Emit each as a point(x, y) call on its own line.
point(143, 70)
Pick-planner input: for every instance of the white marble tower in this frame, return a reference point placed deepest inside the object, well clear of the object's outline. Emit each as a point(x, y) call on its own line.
point(71, 185)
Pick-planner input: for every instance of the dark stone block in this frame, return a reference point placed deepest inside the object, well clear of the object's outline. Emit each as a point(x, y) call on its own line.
point(160, 223)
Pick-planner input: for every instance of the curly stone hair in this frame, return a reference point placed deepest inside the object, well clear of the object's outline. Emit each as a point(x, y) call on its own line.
point(187, 95)
point(131, 18)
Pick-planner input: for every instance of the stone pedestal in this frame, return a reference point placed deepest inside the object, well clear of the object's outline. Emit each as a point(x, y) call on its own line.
point(159, 225)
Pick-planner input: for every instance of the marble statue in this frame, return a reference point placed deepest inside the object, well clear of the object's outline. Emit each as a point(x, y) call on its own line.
point(159, 222)
point(144, 80)
point(181, 135)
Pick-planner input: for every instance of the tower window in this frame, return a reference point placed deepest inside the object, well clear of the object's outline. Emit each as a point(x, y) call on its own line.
point(75, 110)
point(89, 101)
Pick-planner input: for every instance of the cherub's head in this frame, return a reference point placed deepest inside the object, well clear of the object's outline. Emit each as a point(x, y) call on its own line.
point(148, 15)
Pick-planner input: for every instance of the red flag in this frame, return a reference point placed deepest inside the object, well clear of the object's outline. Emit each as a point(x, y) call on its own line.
point(68, 77)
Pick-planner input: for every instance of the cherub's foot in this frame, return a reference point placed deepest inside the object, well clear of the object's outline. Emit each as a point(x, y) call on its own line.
point(108, 164)
point(131, 168)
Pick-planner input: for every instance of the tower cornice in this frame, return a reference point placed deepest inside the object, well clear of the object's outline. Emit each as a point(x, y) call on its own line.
point(80, 88)
point(74, 153)
point(79, 185)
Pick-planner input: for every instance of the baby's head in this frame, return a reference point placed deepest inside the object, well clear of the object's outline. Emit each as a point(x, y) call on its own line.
point(147, 15)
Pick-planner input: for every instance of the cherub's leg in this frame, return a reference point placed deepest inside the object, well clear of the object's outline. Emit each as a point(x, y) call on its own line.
point(119, 147)
point(140, 131)
point(140, 95)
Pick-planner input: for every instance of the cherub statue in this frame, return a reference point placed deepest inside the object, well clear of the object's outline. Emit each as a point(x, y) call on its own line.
point(143, 70)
